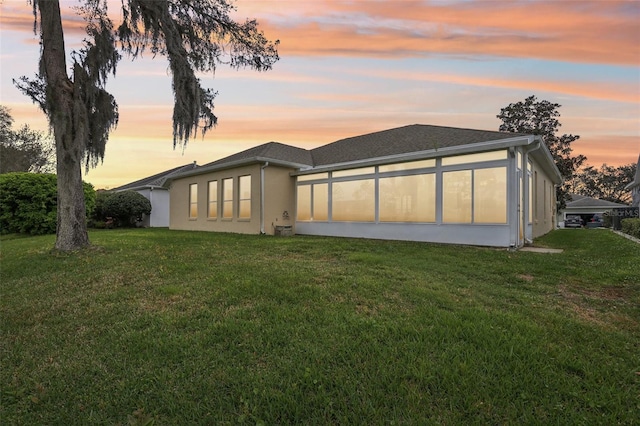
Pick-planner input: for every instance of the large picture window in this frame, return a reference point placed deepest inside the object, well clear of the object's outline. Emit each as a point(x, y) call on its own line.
point(490, 195)
point(193, 201)
point(213, 199)
point(483, 189)
point(244, 197)
point(456, 197)
point(319, 209)
point(321, 201)
point(353, 201)
point(304, 202)
point(408, 198)
point(227, 200)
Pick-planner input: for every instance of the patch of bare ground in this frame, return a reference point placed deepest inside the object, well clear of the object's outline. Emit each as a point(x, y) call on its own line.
point(584, 302)
point(525, 277)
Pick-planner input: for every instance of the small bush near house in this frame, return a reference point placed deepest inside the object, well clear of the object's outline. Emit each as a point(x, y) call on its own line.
point(28, 203)
point(99, 218)
point(125, 207)
point(631, 227)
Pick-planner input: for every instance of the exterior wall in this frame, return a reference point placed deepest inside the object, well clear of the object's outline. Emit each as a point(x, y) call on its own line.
point(179, 211)
point(480, 235)
point(159, 208)
point(279, 206)
point(280, 209)
point(527, 202)
point(544, 202)
point(159, 216)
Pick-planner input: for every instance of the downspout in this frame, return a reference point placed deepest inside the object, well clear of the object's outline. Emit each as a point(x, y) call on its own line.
point(150, 202)
point(266, 164)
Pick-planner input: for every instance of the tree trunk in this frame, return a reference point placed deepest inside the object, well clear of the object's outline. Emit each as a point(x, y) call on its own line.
point(71, 230)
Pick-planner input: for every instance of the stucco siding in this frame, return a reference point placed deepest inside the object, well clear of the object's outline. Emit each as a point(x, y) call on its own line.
point(159, 216)
point(180, 202)
point(544, 202)
point(279, 198)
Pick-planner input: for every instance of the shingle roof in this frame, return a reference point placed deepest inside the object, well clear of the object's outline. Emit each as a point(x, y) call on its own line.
point(584, 201)
point(414, 138)
point(157, 180)
point(273, 151)
point(402, 140)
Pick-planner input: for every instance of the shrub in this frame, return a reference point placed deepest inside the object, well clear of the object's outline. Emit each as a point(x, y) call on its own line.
point(99, 215)
point(28, 203)
point(125, 207)
point(631, 227)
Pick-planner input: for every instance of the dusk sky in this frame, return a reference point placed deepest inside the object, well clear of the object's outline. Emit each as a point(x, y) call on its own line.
point(353, 67)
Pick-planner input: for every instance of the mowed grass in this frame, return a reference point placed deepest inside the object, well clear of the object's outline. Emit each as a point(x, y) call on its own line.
point(171, 328)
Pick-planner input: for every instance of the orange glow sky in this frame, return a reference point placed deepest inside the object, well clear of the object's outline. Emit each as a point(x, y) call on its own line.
point(353, 67)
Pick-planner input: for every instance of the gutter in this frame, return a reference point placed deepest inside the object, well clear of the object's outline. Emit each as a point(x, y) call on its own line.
point(266, 164)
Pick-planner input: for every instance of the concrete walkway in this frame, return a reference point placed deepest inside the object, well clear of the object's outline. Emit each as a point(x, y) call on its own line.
point(541, 250)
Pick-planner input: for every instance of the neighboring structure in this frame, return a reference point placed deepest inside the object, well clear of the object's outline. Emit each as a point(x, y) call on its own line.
point(586, 208)
point(634, 187)
point(155, 189)
point(418, 182)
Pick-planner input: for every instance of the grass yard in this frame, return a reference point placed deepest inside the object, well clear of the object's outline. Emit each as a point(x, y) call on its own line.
point(171, 328)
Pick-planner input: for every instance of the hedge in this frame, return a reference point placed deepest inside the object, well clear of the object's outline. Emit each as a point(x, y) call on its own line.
point(28, 203)
point(631, 227)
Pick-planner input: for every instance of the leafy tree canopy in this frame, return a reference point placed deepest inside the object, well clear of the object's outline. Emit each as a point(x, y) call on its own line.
point(23, 150)
point(541, 118)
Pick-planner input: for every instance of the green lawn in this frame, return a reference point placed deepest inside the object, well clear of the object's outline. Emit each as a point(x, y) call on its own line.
point(189, 328)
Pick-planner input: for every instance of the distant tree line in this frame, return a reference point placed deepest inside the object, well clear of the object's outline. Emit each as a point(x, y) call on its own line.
point(604, 183)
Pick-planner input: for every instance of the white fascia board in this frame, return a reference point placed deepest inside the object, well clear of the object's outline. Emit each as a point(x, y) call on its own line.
point(423, 155)
point(234, 164)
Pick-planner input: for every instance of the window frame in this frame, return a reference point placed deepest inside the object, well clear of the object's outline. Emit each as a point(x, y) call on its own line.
point(227, 203)
point(241, 200)
point(193, 201)
point(212, 202)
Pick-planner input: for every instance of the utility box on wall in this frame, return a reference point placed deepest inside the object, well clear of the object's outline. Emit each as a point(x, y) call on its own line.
point(283, 230)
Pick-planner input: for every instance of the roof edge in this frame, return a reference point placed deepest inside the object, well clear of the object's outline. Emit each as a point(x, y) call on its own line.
point(233, 164)
point(426, 154)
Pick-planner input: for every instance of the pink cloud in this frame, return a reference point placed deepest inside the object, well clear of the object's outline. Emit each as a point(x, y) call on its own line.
point(599, 32)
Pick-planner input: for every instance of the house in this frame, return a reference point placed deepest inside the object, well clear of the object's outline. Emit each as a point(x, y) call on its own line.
point(156, 190)
point(586, 208)
point(417, 182)
point(634, 187)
